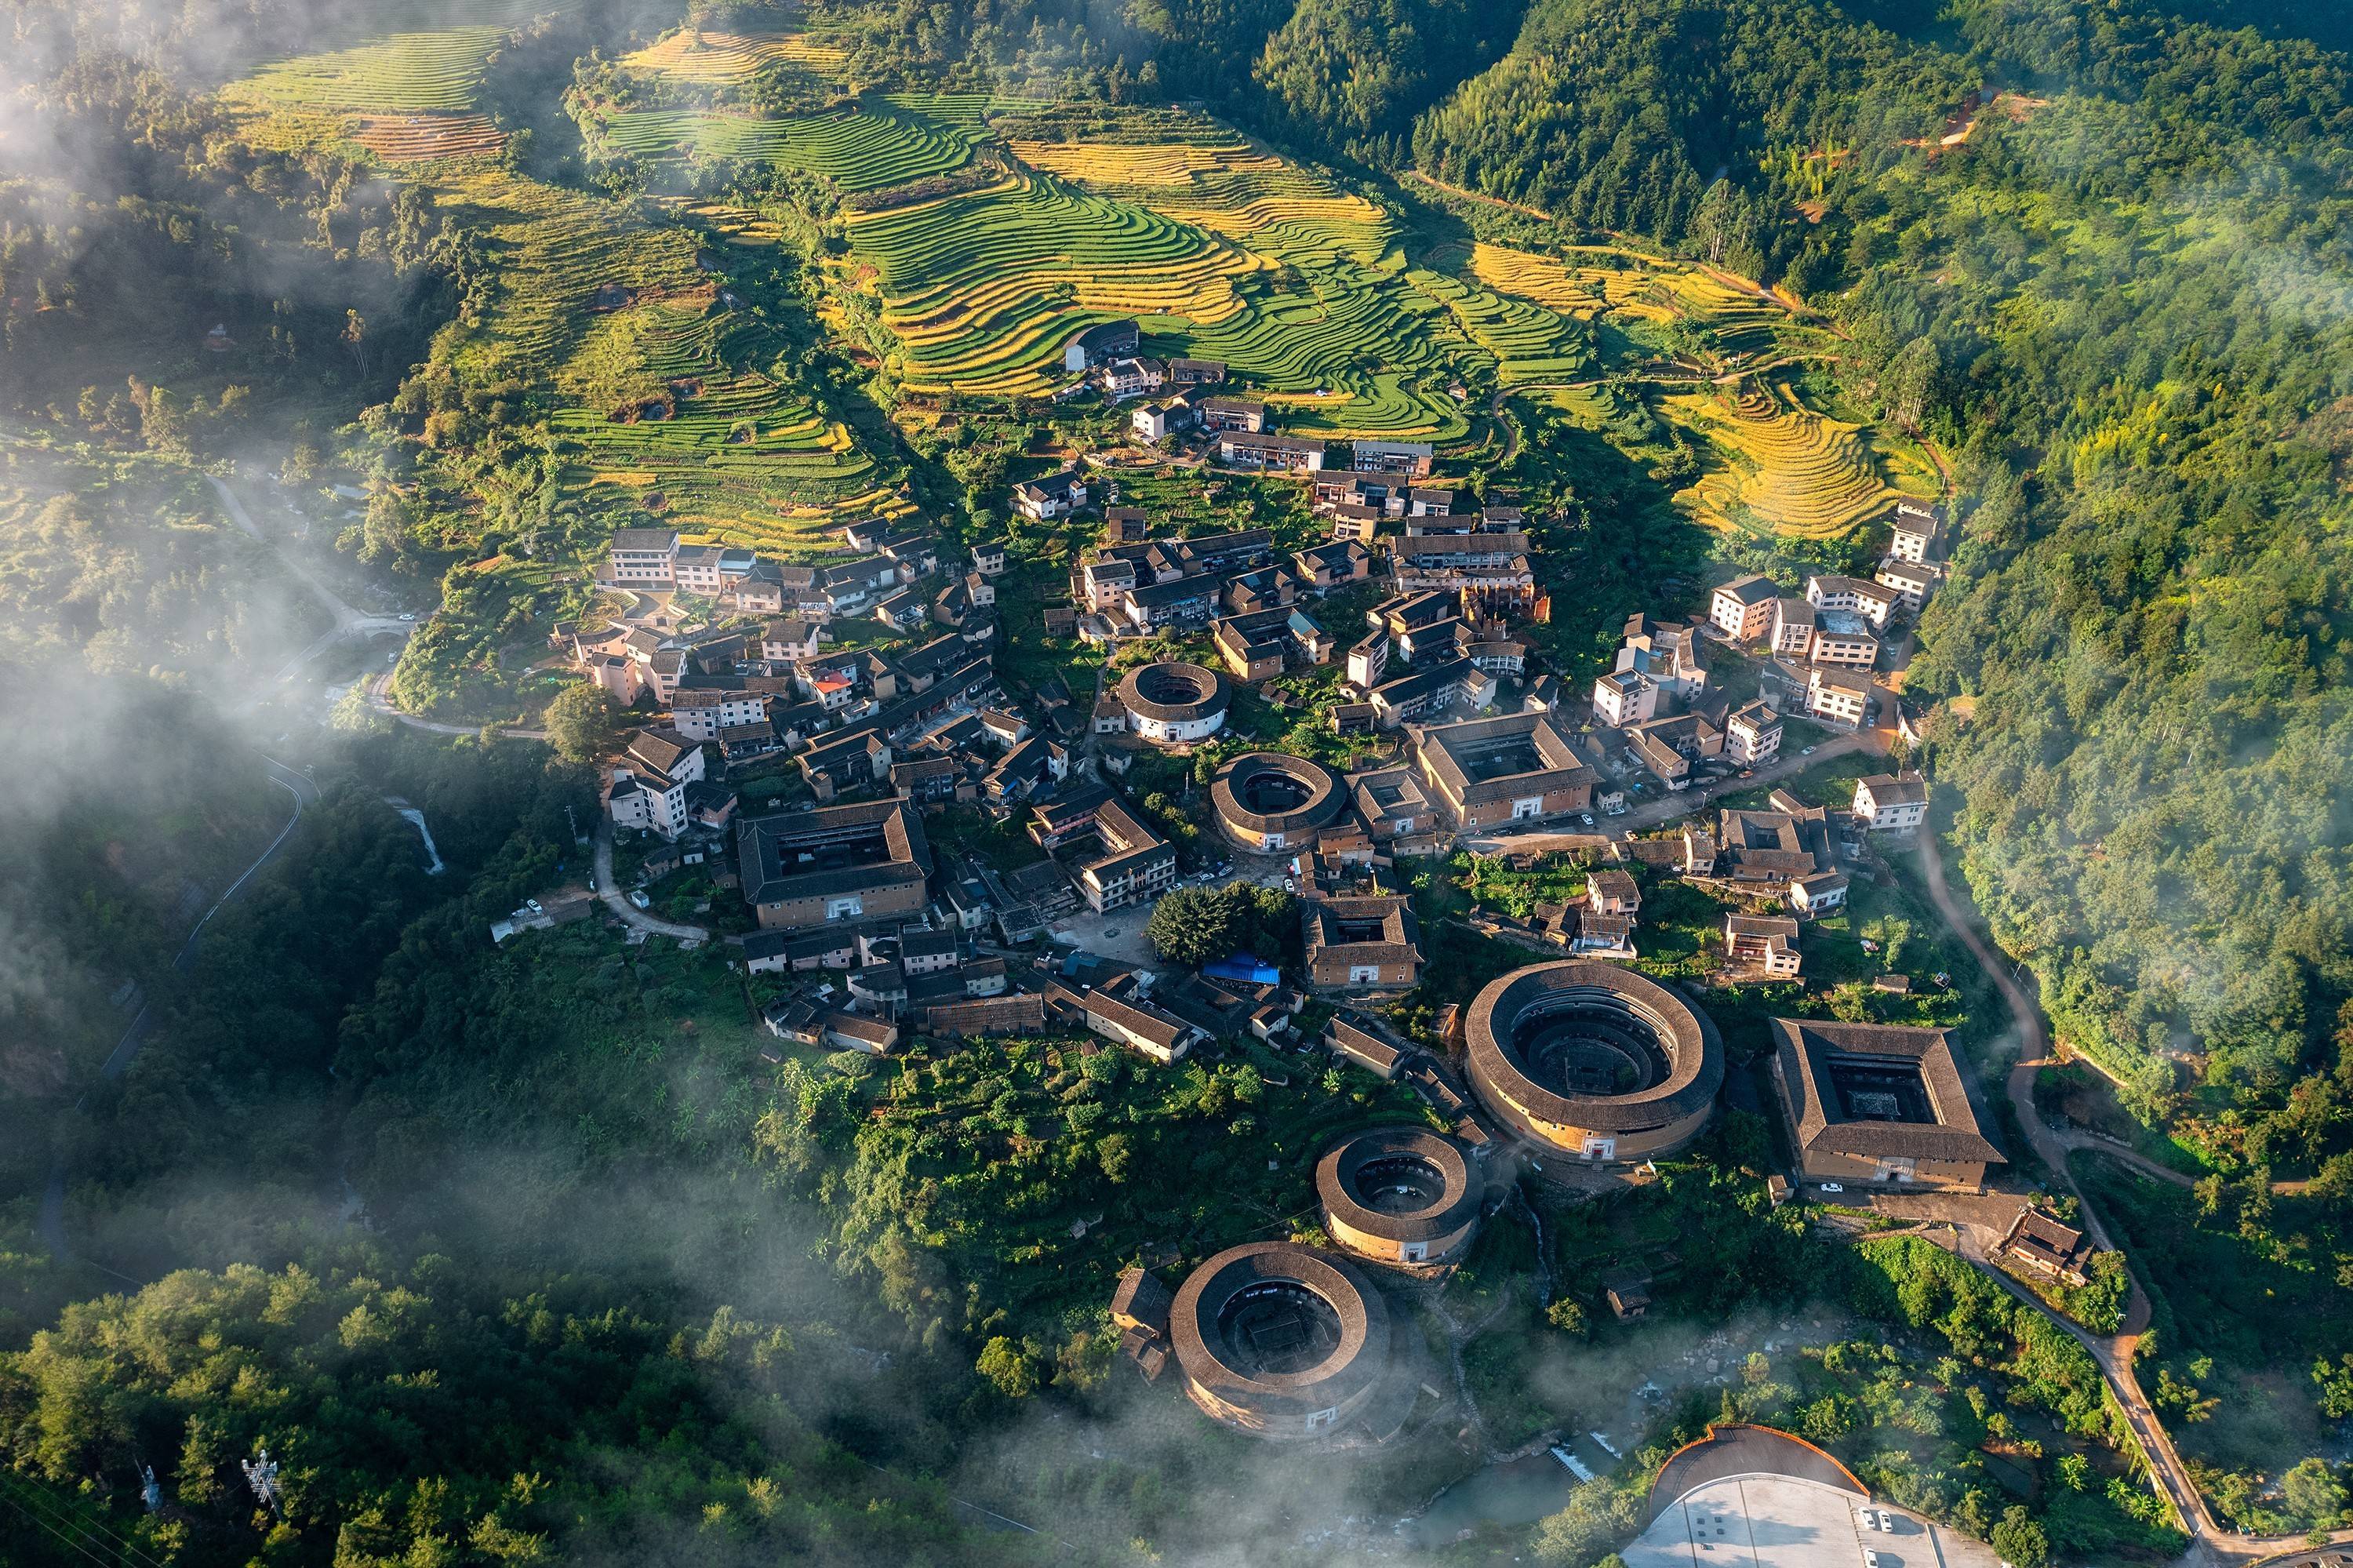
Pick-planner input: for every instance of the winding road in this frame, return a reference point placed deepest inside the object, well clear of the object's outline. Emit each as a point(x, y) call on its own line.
point(2211, 1544)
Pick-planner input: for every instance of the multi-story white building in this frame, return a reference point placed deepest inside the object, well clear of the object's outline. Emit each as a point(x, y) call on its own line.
point(1869, 601)
point(1910, 581)
point(1624, 698)
point(1752, 734)
point(1838, 697)
point(1913, 538)
point(1743, 608)
point(641, 557)
point(1892, 803)
point(648, 784)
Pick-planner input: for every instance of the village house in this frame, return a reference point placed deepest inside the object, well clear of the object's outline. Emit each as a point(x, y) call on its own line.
point(1139, 1026)
point(1363, 1048)
point(1869, 601)
point(1129, 378)
point(1055, 495)
point(1625, 697)
point(1892, 803)
point(1752, 734)
point(1195, 372)
point(1336, 565)
point(1392, 804)
point(649, 787)
point(2041, 1243)
point(1103, 341)
point(1409, 697)
point(1673, 746)
point(1135, 866)
point(1911, 582)
point(1233, 414)
point(1913, 534)
point(1743, 609)
point(1410, 459)
point(1667, 651)
point(1613, 892)
point(1793, 628)
point(1842, 637)
point(1765, 945)
point(1286, 454)
point(1364, 943)
point(641, 557)
point(1834, 697)
point(1256, 647)
point(1155, 421)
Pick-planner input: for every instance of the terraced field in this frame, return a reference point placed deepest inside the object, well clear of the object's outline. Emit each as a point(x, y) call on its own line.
point(658, 371)
point(1776, 464)
point(732, 59)
point(859, 150)
point(399, 71)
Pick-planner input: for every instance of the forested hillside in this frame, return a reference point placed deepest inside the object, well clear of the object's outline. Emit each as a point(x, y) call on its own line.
point(2119, 296)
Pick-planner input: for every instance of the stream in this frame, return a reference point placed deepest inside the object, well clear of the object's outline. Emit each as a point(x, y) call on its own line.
point(411, 814)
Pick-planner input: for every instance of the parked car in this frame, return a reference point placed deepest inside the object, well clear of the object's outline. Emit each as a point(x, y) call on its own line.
point(641, 900)
point(532, 904)
point(1832, 1187)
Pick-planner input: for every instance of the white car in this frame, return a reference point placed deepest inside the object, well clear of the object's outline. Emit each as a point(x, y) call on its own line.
point(406, 616)
point(641, 900)
point(532, 904)
point(1832, 1187)
point(1808, 751)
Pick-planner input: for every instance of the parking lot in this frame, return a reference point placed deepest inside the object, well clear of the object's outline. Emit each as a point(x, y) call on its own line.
point(1119, 934)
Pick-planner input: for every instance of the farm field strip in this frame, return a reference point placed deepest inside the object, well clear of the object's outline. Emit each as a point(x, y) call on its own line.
point(726, 60)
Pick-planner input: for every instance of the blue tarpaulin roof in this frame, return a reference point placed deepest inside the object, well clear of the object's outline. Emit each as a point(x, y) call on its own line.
point(1242, 967)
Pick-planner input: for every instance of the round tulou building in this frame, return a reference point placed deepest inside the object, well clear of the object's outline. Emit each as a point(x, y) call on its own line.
point(1279, 1340)
point(1173, 703)
point(1593, 1060)
point(1266, 800)
point(1400, 1195)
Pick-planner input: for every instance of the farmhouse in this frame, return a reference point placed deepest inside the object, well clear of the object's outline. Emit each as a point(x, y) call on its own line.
point(1242, 413)
point(1056, 495)
point(1290, 454)
point(1752, 734)
point(1671, 747)
point(1897, 802)
point(1743, 608)
point(1513, 769)
point(1256, 647)
point(1836, 697)
point(1140, 1027)
point(805, 869)
point(1764, 944)
point(1410, 459)
point(1103, 341)
point(1869, 1102)
point(1336, 565)
point(1364, 1049)
point(1156, 420)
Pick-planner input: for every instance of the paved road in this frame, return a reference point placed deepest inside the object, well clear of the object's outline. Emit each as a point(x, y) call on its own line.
point(49, 1223)
point(348, 620)
point(613, 900)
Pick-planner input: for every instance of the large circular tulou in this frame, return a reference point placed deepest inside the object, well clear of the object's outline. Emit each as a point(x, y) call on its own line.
point(1279, 1340)
point(1266, 800)
point(1593, 1060)
point(1173, 703)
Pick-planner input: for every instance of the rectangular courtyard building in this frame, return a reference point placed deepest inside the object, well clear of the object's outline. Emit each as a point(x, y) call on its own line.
point(1513, 769)
point(805, 869)
point(1878, 1103)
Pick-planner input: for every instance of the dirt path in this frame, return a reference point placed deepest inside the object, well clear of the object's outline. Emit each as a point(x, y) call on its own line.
point(379, 697)
point(1437, 185)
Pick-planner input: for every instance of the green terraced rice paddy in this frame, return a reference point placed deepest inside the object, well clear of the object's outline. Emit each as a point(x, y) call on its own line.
point(403, 71)
point(859, 150)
